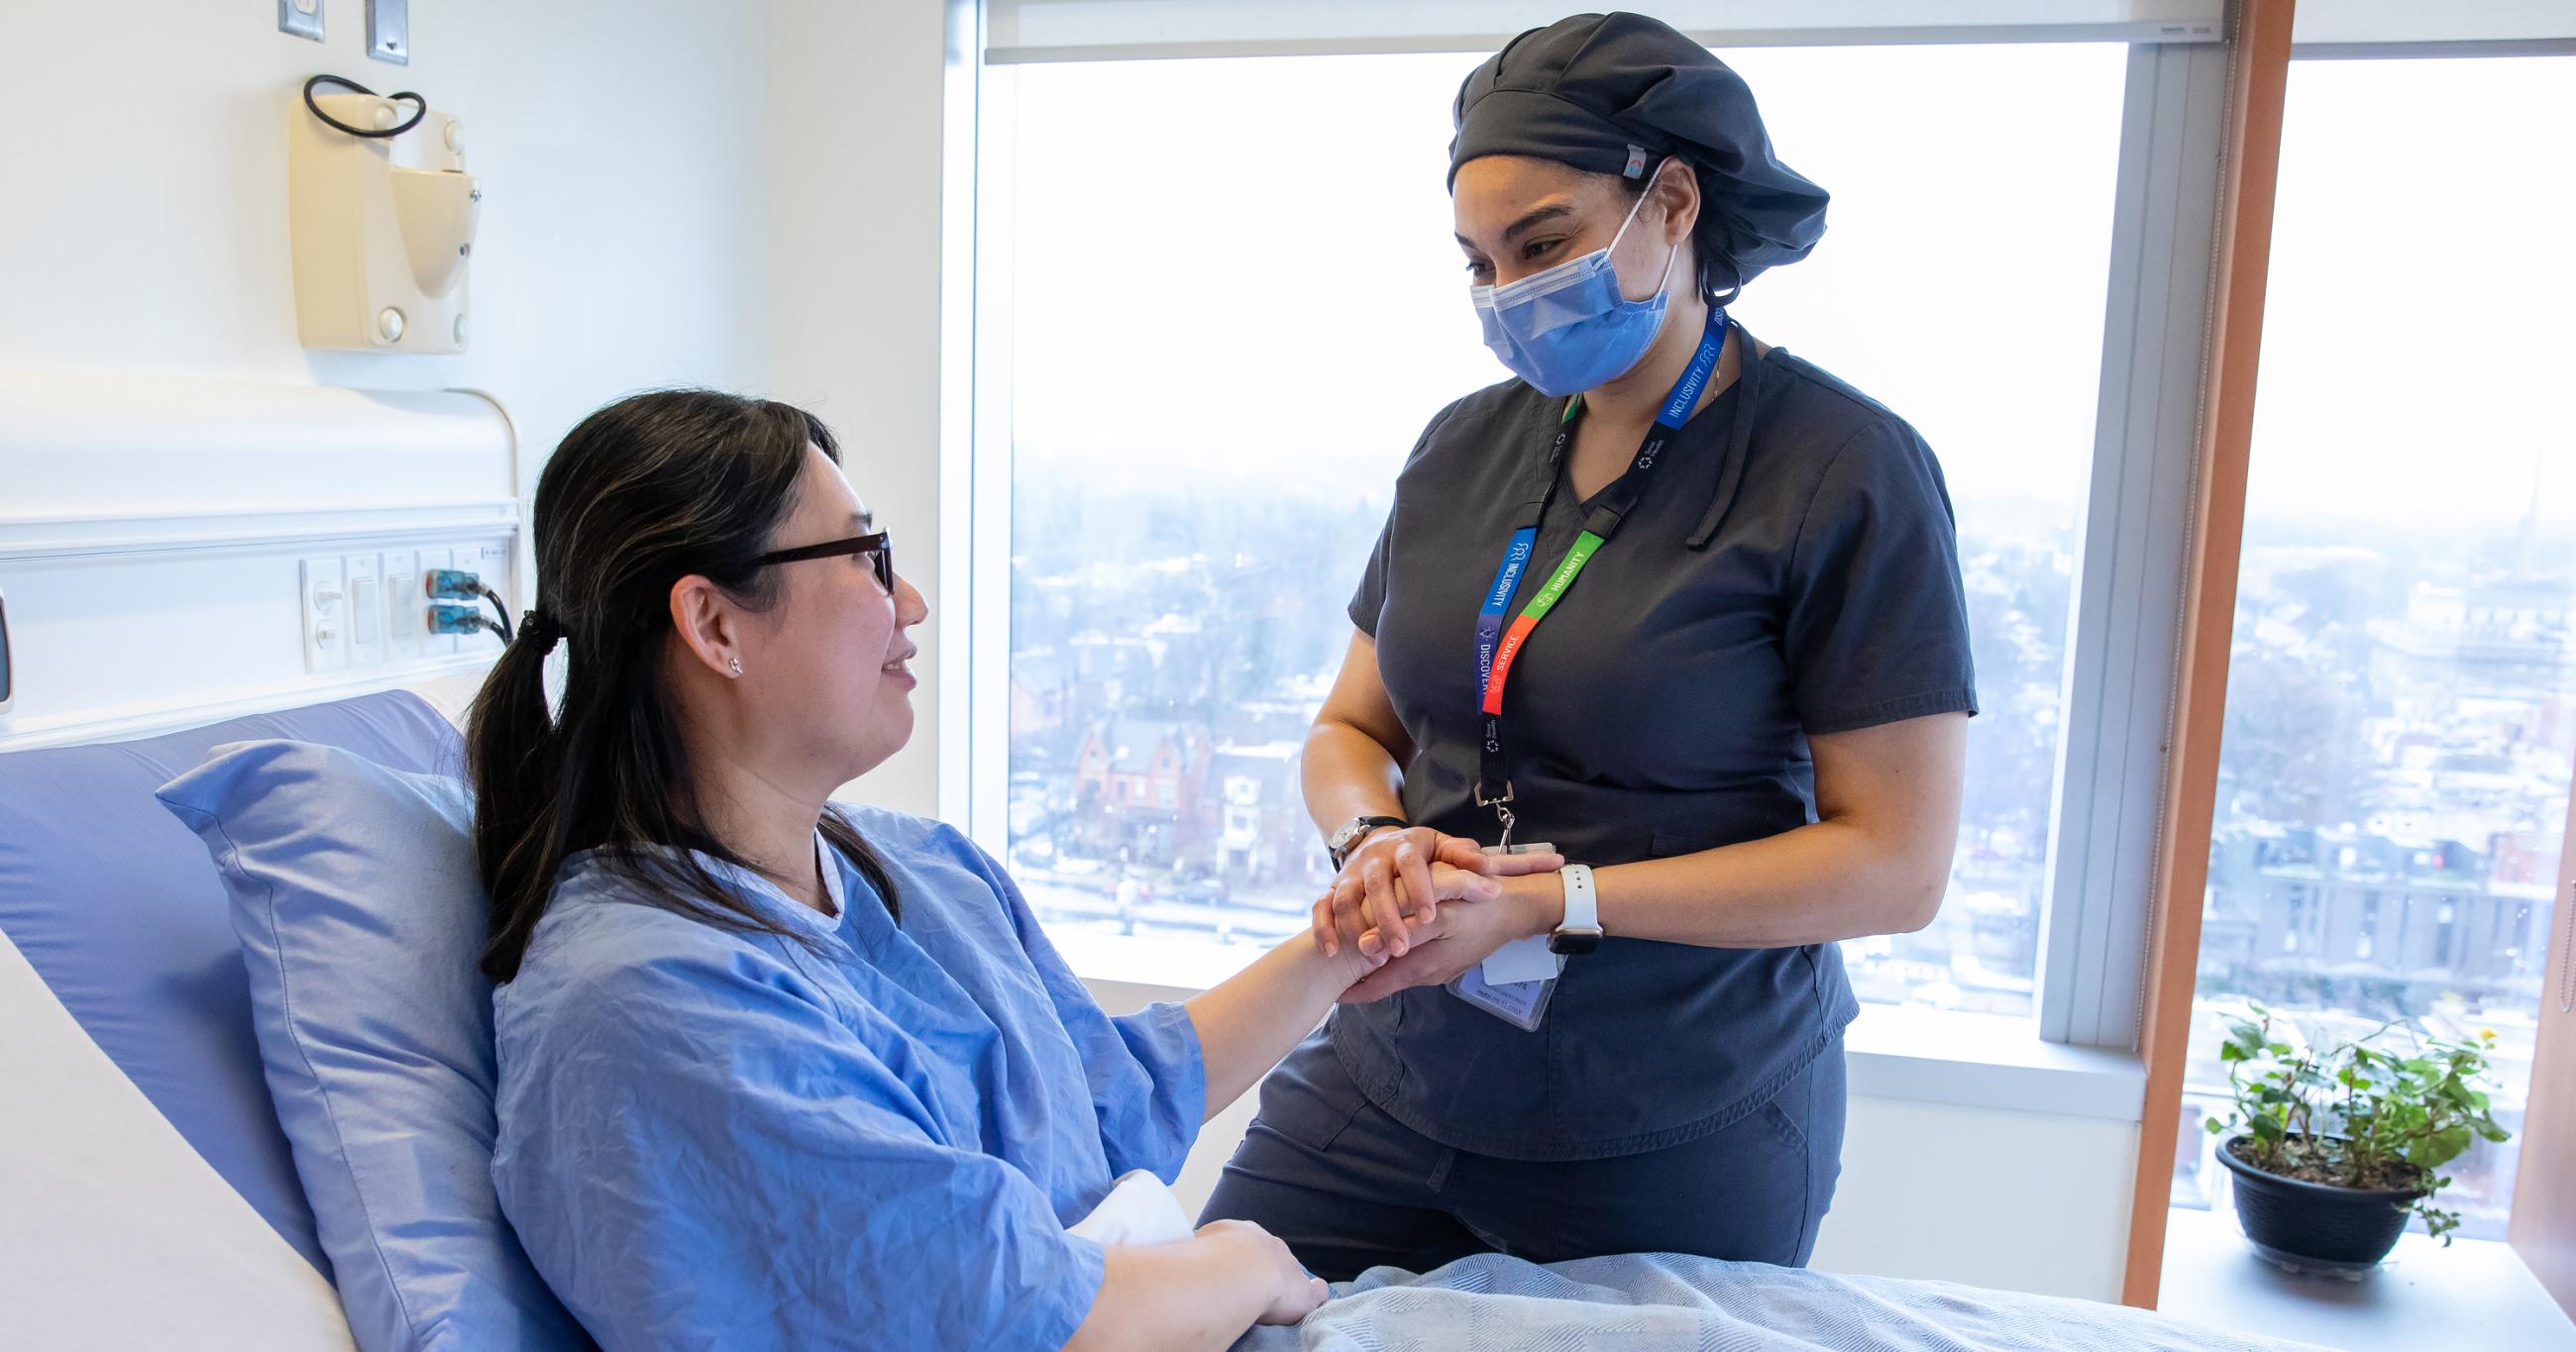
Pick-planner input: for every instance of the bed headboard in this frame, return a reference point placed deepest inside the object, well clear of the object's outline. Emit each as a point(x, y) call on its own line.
point(177, 551)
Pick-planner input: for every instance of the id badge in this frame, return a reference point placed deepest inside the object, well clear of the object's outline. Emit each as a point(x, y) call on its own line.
point(1520, 1003)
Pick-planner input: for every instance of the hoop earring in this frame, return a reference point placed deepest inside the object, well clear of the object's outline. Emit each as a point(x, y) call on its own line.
point(737, 666)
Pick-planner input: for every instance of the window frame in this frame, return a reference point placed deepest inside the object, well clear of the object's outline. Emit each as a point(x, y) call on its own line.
point(1034, 31)
point(2125, 637)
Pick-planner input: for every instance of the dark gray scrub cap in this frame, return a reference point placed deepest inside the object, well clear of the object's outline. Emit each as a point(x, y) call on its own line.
point(1615, 94)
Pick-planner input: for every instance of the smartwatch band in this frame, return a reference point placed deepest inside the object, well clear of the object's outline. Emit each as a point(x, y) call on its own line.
point(1580, 932)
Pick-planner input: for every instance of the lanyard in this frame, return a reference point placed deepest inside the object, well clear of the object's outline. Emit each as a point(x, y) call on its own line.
point(1496, 647)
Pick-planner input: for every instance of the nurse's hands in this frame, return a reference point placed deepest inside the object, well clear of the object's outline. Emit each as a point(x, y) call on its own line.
point(1392, 885)
point(1526, 905)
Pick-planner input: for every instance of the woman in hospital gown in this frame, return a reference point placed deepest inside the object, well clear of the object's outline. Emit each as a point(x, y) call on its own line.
point(777, 1074)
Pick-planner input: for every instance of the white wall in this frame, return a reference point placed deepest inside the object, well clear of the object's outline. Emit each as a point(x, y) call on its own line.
point(2023, 1201)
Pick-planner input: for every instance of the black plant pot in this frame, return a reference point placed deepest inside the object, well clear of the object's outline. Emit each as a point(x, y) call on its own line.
point(2316, 1227)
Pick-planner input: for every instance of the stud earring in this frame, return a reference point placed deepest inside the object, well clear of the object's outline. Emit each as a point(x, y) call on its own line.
point(737, 666)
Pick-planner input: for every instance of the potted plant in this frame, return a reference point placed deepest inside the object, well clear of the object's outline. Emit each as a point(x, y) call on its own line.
point(2334, 1149)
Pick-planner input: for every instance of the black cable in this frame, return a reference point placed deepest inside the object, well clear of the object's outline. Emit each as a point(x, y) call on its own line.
point(499, 631)
point(486, 592)
point(419, 108)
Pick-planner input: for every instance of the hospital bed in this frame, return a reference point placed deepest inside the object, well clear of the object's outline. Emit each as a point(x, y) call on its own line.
point(149, 1197)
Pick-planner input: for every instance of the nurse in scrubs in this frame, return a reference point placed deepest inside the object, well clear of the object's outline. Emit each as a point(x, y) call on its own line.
point(1676, 603)
point(782, 1073)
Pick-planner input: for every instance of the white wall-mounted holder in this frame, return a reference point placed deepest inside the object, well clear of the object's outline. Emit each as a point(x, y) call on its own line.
point(383, 226)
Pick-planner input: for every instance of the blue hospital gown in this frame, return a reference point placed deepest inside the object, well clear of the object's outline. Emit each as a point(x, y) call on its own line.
point(717, 1139)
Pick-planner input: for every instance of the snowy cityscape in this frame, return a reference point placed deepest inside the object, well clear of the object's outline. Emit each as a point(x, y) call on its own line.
point(2392, 796)
point(1163, 680)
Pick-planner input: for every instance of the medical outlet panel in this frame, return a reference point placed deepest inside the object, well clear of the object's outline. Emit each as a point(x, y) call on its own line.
point(373, 609)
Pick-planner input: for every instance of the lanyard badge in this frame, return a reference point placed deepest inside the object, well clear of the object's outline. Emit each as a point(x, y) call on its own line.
point(1515, 982)
point(1496, 646)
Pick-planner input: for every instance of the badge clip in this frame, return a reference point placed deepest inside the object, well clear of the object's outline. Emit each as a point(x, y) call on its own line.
point(1500, 811)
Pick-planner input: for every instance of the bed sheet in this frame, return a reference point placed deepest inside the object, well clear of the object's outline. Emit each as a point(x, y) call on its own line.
point(1673, 1303)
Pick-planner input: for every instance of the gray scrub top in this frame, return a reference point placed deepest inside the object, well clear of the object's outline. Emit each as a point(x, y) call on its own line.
point(1661, 709)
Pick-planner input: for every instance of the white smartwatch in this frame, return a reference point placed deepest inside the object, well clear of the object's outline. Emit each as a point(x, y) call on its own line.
point(1580, 932)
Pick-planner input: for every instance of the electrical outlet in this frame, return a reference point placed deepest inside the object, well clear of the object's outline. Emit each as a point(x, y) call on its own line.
point(325, 619)
point(418, 600)
point(300, 18)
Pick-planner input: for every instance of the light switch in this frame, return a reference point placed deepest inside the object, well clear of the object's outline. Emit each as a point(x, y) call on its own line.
point(402, 606)
point(366, 611)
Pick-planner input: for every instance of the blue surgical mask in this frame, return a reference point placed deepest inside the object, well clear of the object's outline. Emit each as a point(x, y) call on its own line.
point(1568, 329)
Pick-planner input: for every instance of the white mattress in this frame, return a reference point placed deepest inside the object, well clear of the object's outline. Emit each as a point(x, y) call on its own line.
point(114, 1233)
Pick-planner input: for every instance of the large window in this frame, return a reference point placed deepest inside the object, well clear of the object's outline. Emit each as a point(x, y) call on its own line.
point(1228, 328)
point(2401, 713)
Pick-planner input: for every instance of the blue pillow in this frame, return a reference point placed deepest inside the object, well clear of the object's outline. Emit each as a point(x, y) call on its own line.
point(360, 917)
point(115, 906)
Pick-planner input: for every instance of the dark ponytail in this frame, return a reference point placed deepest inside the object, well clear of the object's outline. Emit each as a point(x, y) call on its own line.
point(644, 492)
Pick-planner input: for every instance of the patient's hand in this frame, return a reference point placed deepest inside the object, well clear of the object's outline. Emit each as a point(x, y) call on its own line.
point(1295, 1294)
point(1390, 888)
point(1201, 1292)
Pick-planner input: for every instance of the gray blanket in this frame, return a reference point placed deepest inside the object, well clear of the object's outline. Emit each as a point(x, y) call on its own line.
point(1671, 1303)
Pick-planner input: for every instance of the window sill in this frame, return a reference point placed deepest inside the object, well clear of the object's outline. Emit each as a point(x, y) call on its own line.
point(2477, 1293)
point(1989, 1061)
point(1926, 1056)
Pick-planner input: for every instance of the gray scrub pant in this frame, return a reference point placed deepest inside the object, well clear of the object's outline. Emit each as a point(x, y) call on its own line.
point(1348, 1187)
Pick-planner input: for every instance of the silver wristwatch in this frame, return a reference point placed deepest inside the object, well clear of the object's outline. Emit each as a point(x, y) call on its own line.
point(1349, 835)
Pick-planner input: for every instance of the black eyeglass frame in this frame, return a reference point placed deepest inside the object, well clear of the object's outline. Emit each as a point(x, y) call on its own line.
point(880, 545)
